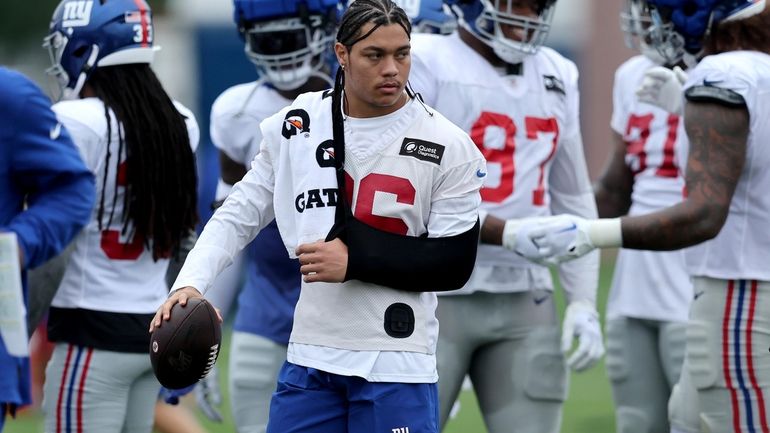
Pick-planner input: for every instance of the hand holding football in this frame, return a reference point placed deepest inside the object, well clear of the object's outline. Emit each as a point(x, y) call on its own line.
point(185, 347)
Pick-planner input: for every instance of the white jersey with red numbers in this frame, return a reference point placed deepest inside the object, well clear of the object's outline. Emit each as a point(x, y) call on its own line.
point(410, 172)
point(647, 284)
point(527, 127)
point(109, 271)
point(235, 117)
point(741, 250)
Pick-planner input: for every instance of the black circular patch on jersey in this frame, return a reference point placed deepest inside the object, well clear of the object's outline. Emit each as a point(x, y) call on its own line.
point(399, 320)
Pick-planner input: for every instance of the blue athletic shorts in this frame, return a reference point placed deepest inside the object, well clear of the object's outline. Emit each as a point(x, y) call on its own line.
point(313, 401)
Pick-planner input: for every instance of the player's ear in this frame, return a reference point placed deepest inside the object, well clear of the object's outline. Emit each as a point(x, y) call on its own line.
point(341, 51)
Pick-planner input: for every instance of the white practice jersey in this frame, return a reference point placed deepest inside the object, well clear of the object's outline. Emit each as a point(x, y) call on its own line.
point(408, 173)
point(647, 284)
point(236, 115)
point(741, 250)
point(527, 127)
point(106, 265)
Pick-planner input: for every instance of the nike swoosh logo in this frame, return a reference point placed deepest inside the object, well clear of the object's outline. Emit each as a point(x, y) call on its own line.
point(480, 173)
point(698, 294)
point(55, 132)
point(570, 228)
point(710, 83)
point(539, 301)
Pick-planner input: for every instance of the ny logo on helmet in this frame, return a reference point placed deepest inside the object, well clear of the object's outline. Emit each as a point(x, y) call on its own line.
point(77, 13)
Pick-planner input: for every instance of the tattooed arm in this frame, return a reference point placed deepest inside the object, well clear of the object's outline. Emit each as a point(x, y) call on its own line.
point(613, 188)
point(717, 136)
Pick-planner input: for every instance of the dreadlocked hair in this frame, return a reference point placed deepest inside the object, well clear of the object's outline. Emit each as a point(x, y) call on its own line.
point(160, 200)
point(751, 34)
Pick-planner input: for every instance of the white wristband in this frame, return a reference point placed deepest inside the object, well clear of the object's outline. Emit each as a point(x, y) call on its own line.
point(605, 233)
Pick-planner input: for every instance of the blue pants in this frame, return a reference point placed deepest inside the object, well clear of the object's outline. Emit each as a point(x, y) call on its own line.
point(313, 401)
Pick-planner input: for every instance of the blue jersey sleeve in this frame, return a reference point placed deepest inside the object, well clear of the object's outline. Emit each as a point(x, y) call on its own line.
point(42, 171)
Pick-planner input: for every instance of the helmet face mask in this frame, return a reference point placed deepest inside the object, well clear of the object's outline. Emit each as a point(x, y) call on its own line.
point(665, 39)
point(287, 52)
point(55, 43)
point(634, 22)
point(288, 40)
point(87, 34)
point(655, 39)
point(492, 21)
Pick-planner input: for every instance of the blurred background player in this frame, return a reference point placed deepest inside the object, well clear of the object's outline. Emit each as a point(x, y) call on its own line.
point(139, 144)
point(428, 16)
point(651, 292)
point(46, 197)
point(726, 373)
point(290, 44)
point(519, 103)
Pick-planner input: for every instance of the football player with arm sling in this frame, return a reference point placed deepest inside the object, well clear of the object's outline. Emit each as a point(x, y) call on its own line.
point(370, 347)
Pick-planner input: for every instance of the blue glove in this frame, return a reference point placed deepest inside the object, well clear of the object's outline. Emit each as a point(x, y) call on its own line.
point(171, 396)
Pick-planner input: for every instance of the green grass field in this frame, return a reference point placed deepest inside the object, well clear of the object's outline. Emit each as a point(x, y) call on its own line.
point(588, 408)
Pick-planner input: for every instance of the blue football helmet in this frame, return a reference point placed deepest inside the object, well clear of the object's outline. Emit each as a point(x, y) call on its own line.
point(429, 16)
point(288, 40)
point(485, 18)
point(692, 19)
point(86, 34)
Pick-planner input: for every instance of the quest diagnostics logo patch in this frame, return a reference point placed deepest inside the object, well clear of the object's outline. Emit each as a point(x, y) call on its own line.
point(422, 150)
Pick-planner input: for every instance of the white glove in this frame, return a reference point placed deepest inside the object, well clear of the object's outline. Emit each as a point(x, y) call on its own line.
point(581, 321)
point(208, 397)
point(662, 87)
point(517, 237)
point(564, 237)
